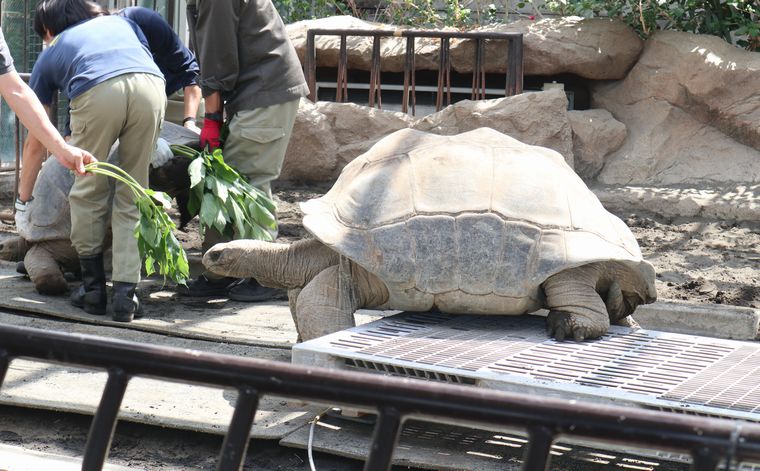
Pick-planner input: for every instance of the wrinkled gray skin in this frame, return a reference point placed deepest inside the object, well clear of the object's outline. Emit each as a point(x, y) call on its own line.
point(326, 289)
point(45, 247)
point(472, 223)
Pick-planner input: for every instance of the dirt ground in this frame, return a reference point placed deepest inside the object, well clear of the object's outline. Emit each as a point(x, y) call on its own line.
point(700, 261)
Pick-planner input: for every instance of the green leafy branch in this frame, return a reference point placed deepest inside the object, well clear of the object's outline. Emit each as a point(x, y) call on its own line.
point(154, 231)
point(224, 200)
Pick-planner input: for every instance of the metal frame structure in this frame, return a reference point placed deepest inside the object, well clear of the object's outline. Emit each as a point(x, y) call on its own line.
point(711, 442)
point(513, 50)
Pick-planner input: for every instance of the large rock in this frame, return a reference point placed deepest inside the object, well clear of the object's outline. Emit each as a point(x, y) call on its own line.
point(328, 135)
point(595, 135)
point(691, 105)
point(538, 119)
point(590, 48)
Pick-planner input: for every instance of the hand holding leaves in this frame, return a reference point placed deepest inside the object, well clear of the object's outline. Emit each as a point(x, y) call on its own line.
point(154, 232)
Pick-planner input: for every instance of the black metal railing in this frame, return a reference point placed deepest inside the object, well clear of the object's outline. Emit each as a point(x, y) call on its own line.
point(513, 51)
point(709, 441)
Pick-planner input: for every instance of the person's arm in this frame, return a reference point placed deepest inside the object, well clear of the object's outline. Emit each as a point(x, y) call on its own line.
point(34, 155)
point(212, 121)
point(192, 100)
point(216, 33)
point(32, 114)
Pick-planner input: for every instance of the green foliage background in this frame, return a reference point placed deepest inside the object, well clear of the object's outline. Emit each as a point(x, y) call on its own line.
point(736, 21)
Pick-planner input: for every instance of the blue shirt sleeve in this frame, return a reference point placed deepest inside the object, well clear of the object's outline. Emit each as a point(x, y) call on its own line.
point(44, 81)
point(176, 61)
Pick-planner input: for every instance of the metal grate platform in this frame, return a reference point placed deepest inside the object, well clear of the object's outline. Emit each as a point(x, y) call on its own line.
point(649, 369)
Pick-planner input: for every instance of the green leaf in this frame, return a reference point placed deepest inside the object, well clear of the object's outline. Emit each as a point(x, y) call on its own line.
point(229, 204)
point(197, 172)
point(209, 210)
point(262, 216)
point(222, 190)
point(220, 223)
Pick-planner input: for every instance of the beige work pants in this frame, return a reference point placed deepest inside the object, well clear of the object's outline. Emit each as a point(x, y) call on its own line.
point(256, 147)
point(129, 108)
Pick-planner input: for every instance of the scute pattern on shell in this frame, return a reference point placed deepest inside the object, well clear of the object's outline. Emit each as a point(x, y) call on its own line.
point(470, 223)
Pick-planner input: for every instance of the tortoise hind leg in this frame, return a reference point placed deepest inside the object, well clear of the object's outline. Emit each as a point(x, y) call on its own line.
point(575, 308)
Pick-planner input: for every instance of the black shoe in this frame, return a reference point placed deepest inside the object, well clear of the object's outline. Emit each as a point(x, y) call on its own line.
point(251, 291)
point(204, 287)
point(126, 305)
point(91, 295)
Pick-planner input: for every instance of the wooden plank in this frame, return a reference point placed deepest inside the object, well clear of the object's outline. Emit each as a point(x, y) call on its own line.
point(185, 406)
point(262, 324)
point(165, 312)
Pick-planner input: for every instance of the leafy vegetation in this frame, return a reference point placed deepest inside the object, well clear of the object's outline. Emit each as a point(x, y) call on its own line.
point(736, 21)
point(224, 200)
point(154, 231)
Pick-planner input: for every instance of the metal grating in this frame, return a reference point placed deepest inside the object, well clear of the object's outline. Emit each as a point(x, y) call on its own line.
point(650, 369)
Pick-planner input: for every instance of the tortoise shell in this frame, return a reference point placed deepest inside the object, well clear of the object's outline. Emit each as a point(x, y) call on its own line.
point(468, 223)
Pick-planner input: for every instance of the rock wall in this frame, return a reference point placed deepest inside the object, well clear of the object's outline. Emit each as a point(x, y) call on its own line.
point(328, 135)
point(591, 48)
point(691, 105)
point(679, 109)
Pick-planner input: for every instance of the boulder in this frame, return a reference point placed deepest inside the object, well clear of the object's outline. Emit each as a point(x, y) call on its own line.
point(536, 118)
point(328, 135)
point(595, 135)
point(690, 101)
point(590, 48)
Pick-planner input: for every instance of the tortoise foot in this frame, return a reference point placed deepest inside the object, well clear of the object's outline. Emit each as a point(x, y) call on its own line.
point(562, 325)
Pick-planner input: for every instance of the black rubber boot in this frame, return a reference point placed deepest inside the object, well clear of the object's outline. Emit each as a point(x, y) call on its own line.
point(91, 295)
point(126, 305)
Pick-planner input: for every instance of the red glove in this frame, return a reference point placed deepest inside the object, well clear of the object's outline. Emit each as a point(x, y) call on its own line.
point(210, 133)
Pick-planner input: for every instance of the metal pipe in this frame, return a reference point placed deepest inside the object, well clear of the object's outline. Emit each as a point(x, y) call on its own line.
point(104, 423)
point(537, 451)
point(384, 438)
point(629, 426)
point(236, 441)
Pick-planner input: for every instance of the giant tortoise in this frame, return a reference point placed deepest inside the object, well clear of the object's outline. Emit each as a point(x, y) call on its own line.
point(474, 223)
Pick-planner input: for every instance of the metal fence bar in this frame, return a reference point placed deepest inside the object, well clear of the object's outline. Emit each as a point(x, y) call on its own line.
point(384, 438)
point(409, 77)
point(514, 67)
point(514, 73)
point(4, 363)
point(707, 439)
point(104, 423)
point(374, 76)
point(341, 87)
point(536, 455)
point(444, 74)
point(236, 441)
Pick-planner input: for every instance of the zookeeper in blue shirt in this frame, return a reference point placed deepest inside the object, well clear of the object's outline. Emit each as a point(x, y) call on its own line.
point(116, 91)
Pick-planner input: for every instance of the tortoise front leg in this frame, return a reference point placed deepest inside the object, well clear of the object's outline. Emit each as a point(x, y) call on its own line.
point(325, 305)
point(575, 308)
